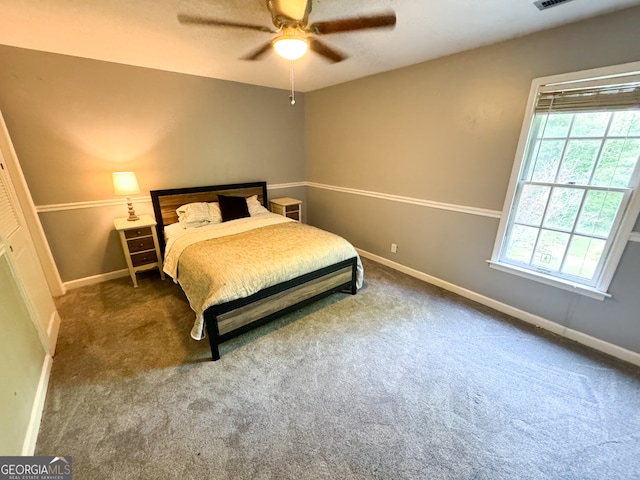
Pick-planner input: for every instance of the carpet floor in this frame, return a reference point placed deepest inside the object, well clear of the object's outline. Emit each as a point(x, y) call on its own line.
point(401, 381)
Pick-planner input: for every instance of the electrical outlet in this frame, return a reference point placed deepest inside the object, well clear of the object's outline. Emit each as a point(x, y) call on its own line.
point(394, 248)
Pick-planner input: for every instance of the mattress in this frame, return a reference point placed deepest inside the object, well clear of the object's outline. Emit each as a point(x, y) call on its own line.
point(222, 262)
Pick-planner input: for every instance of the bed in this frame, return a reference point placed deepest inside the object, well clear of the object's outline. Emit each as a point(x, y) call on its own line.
point(240, 271)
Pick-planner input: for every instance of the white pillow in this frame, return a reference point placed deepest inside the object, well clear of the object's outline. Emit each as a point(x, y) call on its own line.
point(254, 206)
point(215, 215)
point(194, 214)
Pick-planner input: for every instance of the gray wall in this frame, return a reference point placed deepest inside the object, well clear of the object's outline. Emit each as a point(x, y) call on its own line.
point(446, 131)
point(74, 121)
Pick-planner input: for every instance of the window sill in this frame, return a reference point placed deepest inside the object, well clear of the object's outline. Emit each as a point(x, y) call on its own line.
point(552, 281)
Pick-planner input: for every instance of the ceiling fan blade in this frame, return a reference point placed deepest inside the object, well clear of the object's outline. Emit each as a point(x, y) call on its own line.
point(385, 20)
point(255, 55)
point(326, 51)
point(193, 20)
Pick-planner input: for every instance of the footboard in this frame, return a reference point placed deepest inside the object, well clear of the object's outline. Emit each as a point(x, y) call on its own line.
point(233, 318)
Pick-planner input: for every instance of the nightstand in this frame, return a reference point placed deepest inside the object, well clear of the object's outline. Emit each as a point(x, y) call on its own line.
point(289, 207)
point(139, 244)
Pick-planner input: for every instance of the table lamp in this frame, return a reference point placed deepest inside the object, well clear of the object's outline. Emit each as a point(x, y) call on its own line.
point(126, 183)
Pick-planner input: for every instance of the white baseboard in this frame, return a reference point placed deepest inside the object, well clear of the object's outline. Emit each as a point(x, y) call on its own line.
point(593, 342)
point(103, 277)
point(31, 437)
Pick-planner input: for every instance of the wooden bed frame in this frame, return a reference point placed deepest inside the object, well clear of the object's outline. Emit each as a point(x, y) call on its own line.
point(230, 319)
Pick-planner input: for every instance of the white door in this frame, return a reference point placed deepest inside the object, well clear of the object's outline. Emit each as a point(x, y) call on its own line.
point(25, 260)
point(21, 362)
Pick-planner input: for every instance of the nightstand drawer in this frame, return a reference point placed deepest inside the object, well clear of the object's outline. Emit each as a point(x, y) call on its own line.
point(138, 259)
point(141, 244)
point(138, 232)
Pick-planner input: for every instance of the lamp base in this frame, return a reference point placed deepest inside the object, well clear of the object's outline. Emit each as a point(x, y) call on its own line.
point(132, 213)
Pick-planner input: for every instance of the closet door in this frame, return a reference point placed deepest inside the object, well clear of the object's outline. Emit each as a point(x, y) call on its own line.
point(21, 361)
point(23, 256)
point(8, 218)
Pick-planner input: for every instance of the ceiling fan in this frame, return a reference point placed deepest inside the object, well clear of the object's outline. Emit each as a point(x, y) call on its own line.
point(295, 35)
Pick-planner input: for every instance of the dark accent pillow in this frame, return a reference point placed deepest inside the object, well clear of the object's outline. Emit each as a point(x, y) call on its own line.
point(232, 207)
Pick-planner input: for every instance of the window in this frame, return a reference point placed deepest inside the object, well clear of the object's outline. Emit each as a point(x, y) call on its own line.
point(572, 199)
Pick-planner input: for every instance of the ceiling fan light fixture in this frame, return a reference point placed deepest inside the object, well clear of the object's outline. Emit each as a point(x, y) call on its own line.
point(290, 47)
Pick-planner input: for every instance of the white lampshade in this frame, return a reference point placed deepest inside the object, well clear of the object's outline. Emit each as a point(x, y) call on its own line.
point(290, 47)
point(125, 183)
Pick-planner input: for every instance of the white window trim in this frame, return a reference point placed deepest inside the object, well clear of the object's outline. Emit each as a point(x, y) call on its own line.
point(628, 221)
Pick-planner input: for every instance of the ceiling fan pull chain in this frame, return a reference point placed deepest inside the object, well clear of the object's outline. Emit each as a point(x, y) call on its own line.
point(292, 97)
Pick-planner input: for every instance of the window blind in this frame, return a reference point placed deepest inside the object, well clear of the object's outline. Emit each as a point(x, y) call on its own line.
point(609, 97)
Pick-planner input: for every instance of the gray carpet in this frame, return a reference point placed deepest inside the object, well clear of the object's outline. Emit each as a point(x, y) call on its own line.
point(401, 381)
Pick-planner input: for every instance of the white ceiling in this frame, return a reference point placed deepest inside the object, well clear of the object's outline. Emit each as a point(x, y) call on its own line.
point(146, 33)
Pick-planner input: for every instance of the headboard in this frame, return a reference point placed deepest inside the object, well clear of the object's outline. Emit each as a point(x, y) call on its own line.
point(165, 202)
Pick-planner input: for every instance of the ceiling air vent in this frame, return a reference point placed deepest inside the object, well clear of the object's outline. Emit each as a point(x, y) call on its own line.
point(544, 4)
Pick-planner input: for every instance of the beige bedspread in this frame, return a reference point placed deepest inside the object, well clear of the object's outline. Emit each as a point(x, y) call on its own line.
point(217, 270)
